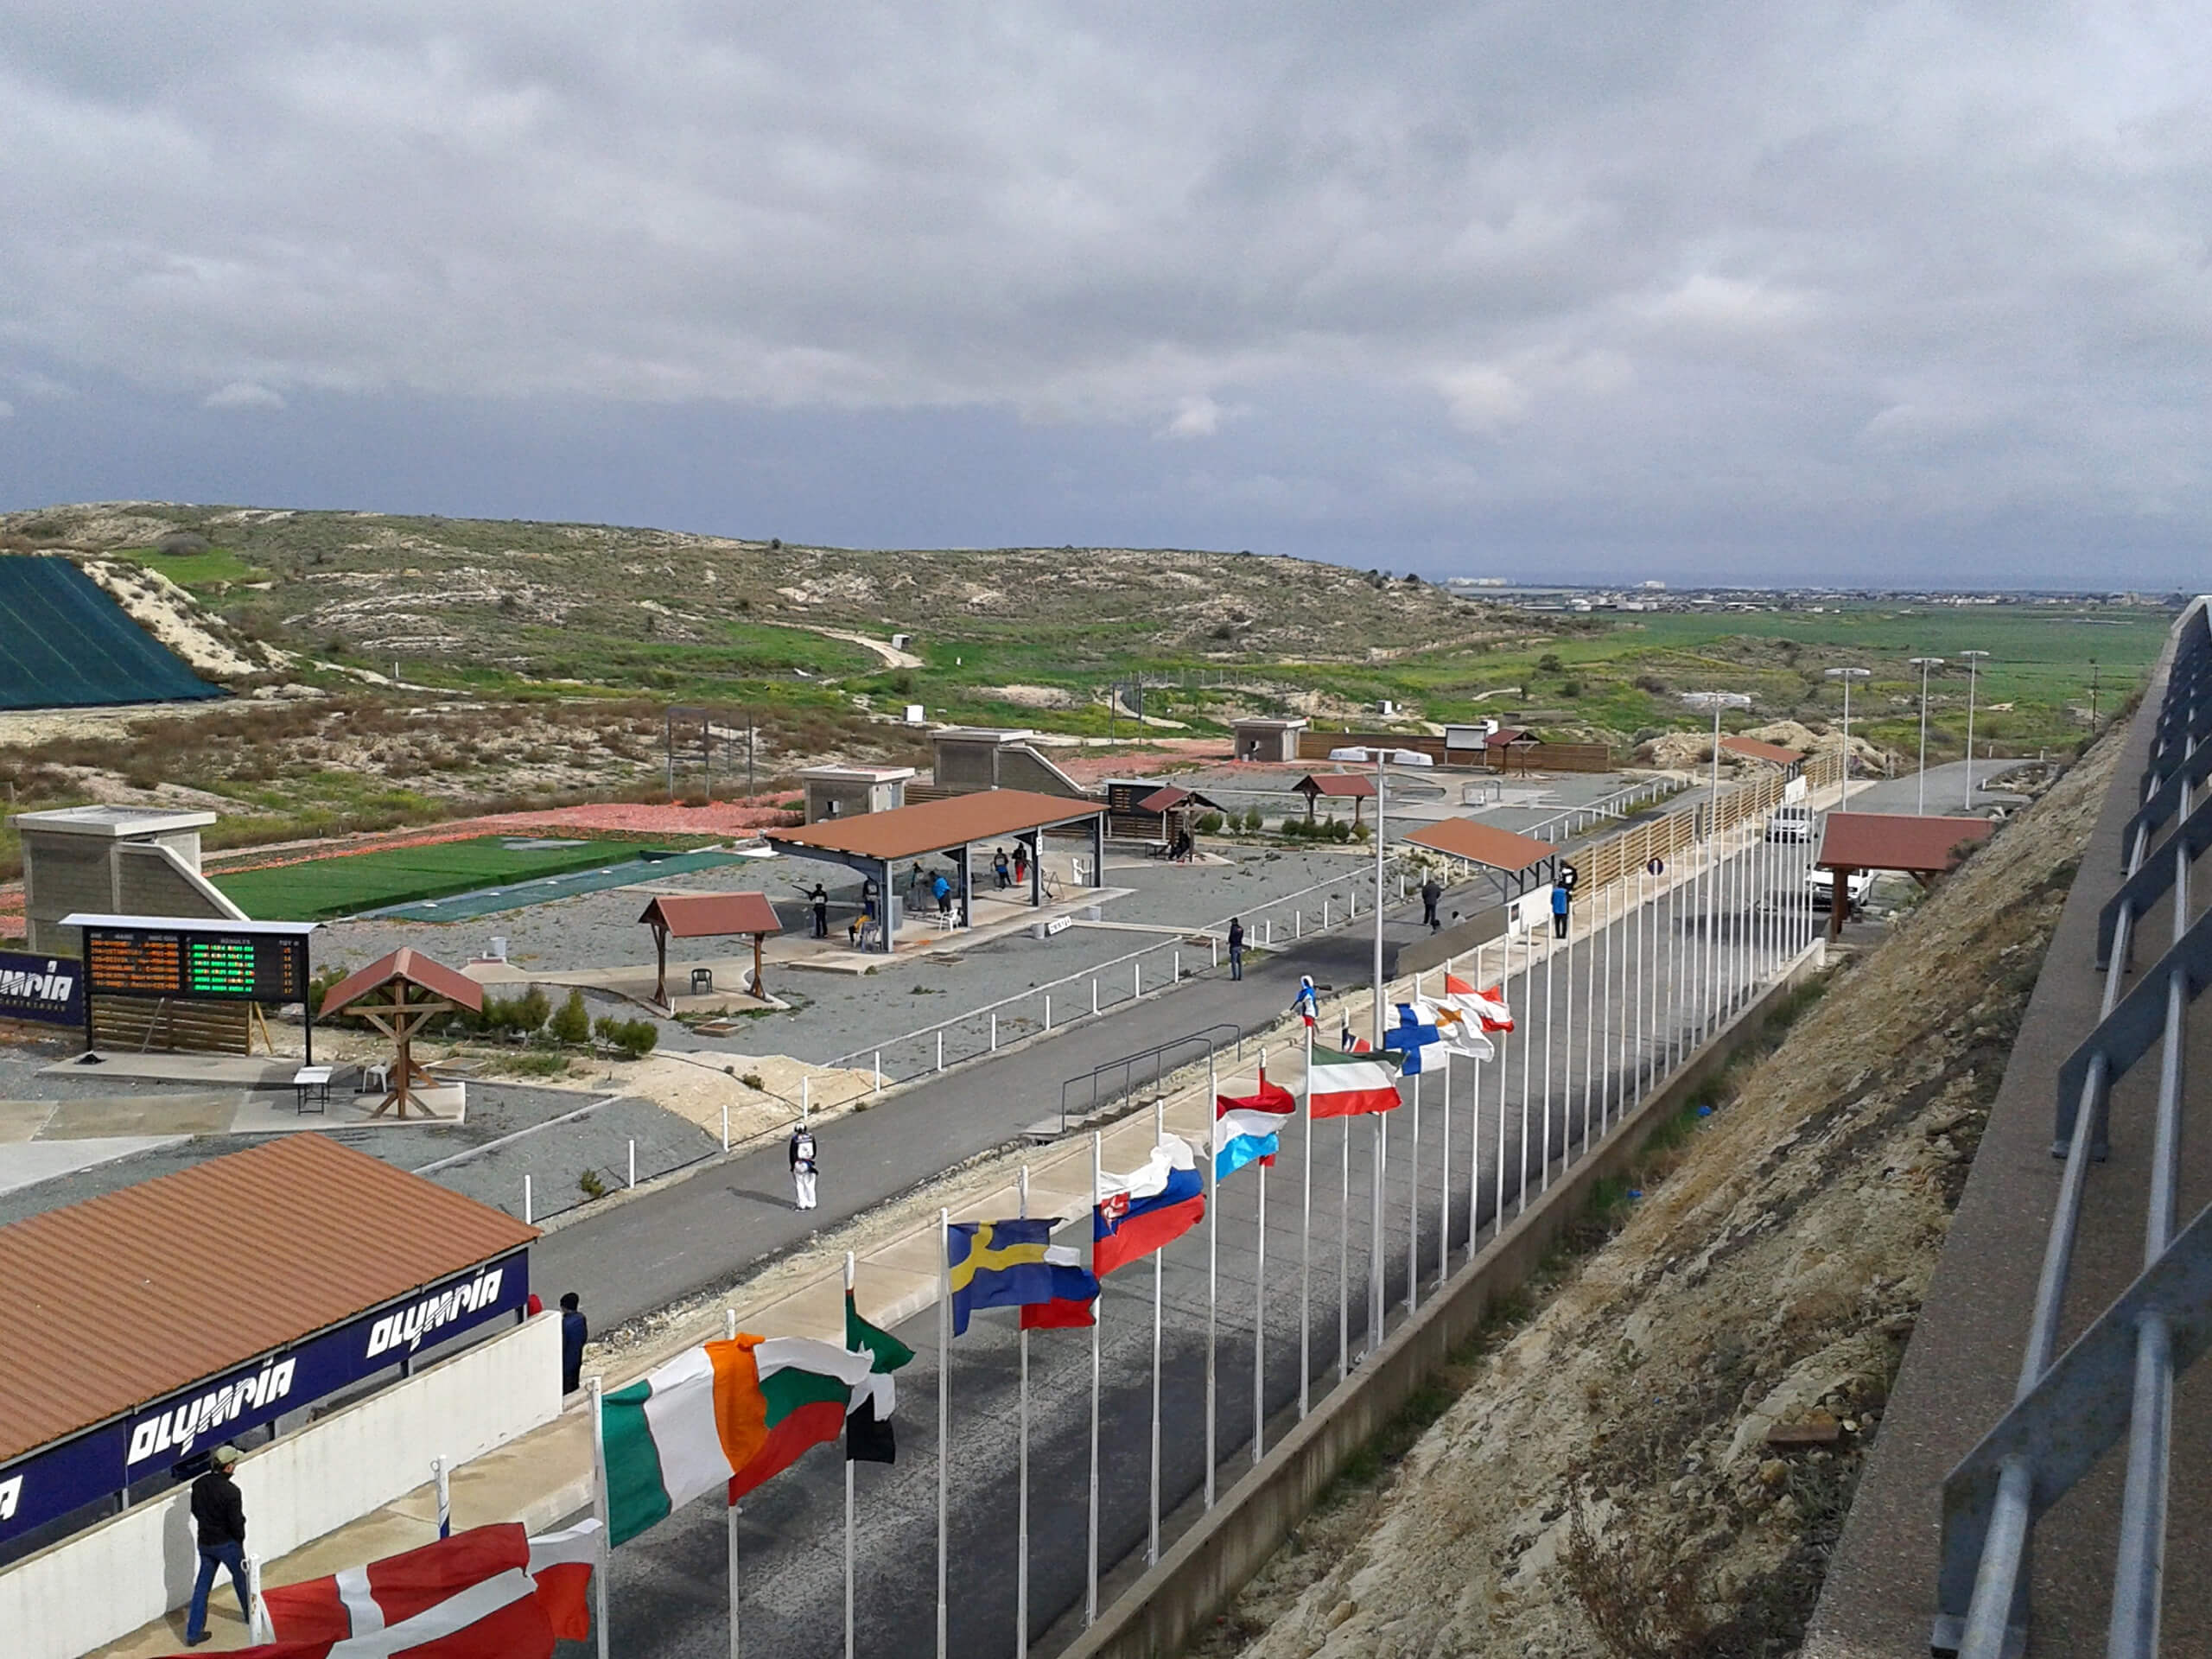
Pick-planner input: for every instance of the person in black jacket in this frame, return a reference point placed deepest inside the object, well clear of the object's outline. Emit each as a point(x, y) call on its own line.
point(219, 1515)
point(574, 1334)
point(1236, 948)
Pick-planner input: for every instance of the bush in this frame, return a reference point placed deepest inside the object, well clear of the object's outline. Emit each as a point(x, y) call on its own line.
point(1360, 832)
point(632, 1038)
point(1549, 662)
point(1209, 823)
point(572, 1024)
point(1255, 821)
point(1339, 830)
point(1570, 689)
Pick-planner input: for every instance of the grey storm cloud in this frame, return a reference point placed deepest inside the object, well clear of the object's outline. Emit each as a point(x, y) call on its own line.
point(1909, 268)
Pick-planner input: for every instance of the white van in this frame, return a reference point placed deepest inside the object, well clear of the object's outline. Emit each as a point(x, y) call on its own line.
point(1790, 823)
point(1820, 887)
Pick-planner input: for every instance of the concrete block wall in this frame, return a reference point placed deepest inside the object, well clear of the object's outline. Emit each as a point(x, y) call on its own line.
point(104, 1583)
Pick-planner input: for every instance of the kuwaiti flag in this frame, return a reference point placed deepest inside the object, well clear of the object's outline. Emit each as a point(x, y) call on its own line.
point(490, 1593)
point(1249, 1127)
point(1486, 1008)
point(1415, 1030)
point(868, 1437)
point(1345, 1085)
point(728, 1414)
point(1148, 1208)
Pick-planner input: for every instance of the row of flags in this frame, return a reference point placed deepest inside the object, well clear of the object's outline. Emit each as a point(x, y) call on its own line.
point(735, 1413)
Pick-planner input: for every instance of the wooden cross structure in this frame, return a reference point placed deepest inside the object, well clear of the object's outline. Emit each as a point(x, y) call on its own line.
point(400, 995)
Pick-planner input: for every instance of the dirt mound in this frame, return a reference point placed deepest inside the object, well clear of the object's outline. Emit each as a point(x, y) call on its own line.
point(1611, 1479)
point(1684, 749)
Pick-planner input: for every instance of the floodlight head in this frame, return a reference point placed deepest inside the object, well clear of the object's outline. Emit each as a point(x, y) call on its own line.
point(1353, 755)
point(1971, 657)
point(1849, 673)
point(1410, 757)
point(1716, 699)
point(1926, 662)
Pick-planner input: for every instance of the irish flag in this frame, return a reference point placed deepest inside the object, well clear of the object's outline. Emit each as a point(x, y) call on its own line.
point(1345, 1085)
point(727, 1414)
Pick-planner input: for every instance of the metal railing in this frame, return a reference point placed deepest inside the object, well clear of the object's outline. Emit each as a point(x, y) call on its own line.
point(1565, 825)
point(2117, 1378)
point(1128, 1065)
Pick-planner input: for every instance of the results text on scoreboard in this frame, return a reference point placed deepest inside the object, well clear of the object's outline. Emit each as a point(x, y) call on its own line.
point(129, 963)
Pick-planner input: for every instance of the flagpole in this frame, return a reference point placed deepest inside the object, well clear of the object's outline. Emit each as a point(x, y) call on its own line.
point(1443, 1203)
point(1097, 1315)
point(1213, 1260)
point(848, 1503)
point(730, 1520)
point(1528, 1050)
point(944, 1419)
point(1374, 1233)
point(1613, 1027)
point(1306, 1244)
point(1344, 1259)
point(602, 1510)
point(1021, 1508)
point(1594, 1025)
point(1544, 1172)
point(1413, 1197)
point(1152, 1537)
point(1260, 1316)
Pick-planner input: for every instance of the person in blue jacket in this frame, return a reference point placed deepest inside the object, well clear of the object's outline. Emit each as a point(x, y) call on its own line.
point(1560, 899)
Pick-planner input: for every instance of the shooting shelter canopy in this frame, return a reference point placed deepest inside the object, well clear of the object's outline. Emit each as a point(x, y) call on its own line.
point(708, 915)
point(1896, 841)
point(1751, 748)
point(874, 843)
point(1171, 796)
point(399, 994)
point(1485, 844)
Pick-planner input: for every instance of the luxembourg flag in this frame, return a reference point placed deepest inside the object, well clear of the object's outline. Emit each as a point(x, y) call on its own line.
point(1487, 1008)
point(1247, 1128)
point(1148, 1208)
point(1345, 1085)
point(1415, 1030)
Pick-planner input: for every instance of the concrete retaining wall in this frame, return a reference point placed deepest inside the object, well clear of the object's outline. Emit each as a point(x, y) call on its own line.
point(1203, 1570)
point(103, 1584)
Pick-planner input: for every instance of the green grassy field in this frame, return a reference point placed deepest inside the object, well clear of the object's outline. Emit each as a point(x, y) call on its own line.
point(328, 888)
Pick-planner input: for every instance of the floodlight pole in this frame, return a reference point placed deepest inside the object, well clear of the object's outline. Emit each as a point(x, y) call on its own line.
point(1920, 794)
point(1715, 701)
point(1973, 661)
point(1847, 675)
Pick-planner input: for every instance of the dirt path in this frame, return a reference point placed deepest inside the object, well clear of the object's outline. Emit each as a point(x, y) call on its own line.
point(892, 656)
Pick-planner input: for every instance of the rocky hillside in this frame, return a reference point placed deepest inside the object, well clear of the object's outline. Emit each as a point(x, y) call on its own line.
point(1656, 1464)
point(505, 592)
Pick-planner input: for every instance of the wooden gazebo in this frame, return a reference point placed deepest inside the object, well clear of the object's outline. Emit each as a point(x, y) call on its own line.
point(708, 915)
point(399, 994)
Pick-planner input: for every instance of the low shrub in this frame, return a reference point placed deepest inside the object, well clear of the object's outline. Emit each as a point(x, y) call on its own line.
point(571, 1023)
point(632, 1038)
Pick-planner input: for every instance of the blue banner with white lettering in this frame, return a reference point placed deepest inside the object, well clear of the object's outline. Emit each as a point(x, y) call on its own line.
point(50, 989)
point(57, 1479)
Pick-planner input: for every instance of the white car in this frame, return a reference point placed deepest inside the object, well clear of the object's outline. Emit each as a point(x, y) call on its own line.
point(1790, 823)
point(1820, 887)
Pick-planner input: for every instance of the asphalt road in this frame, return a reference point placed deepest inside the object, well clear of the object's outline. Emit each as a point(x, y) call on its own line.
point(668, 1588)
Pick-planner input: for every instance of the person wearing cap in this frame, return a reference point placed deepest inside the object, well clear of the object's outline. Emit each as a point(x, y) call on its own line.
point(218, 1516)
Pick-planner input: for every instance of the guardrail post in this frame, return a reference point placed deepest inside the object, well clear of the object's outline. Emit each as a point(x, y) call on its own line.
point(1048, 1011)
point(1213, 941)
point(1136, 979)
point(1268, 932)
point(1178, 967)
point(994, 1031)
point(527, 1212)
point(940, 1051)
point(1324, 915)
point(1094, 993)
point(725, 1126)
point(1297, 923)
point(634, 1164)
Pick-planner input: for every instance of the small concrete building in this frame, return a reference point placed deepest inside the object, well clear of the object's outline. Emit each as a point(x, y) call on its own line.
point(970, 758)
point(112, 860)
point(849, 792)
point(1269, 739)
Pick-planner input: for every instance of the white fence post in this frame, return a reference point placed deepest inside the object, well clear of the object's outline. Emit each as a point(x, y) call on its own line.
point(940, 1051)
point(633, 1163)
point(725, 1126)
point(1094, 993)
point(1048, 1010)
point(879, 1071)
point(1136, 979)
point(994, 1031)
point(526, 1216)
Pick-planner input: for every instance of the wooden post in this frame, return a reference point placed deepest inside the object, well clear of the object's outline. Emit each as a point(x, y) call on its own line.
point(660, 955)
point(760, 989)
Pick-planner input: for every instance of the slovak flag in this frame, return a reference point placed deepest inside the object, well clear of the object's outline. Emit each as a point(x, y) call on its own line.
point(1487, 1008)
point(1415, 1030)
point(490, 1593)
point(1247, 1128)
point(1148, 1209)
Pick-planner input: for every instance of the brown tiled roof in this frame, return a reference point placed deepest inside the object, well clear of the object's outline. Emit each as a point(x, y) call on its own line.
point(1507, 735)
point(1174, 795)
point(707, 915)
point(1501, 849)
point(124, 1297)
point(1752, 749)
point(1896, 841)
point(416, 969)
point(936, 826)
point(1342, 784)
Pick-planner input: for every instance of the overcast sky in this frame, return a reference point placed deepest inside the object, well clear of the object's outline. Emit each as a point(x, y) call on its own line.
point(1840, 292)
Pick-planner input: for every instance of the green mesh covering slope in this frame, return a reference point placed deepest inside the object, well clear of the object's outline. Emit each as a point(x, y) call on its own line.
point(64, 643)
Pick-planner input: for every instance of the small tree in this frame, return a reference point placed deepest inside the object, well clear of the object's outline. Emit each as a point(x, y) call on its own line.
point(572, 1022)
point(1255, 821)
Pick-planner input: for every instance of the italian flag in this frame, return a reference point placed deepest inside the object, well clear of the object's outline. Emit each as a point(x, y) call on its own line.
point(729, 1414)
point(1345, 1085)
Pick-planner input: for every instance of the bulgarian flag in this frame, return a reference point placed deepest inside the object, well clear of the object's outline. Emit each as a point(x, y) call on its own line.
point(491, 1592)
point(1486, 1007)
point(1345, 1085)
point(731, 1414)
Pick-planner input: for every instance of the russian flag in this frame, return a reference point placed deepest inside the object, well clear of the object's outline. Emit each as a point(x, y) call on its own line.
point(1075, 1294)
point(1248, 1127)
point(1148, 1209)
point(1486, 1007)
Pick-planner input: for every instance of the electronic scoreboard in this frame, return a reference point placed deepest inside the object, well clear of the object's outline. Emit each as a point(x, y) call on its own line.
point(214, 964)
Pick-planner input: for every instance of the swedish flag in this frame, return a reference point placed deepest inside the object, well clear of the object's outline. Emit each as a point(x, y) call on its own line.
point(998, 1264)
